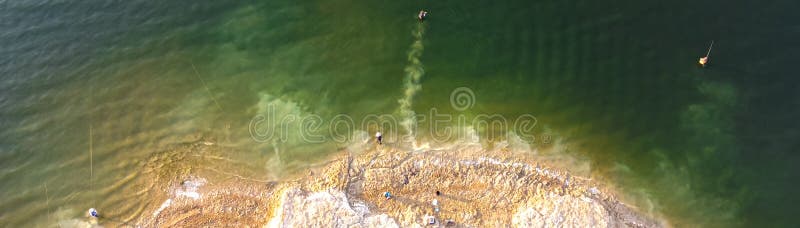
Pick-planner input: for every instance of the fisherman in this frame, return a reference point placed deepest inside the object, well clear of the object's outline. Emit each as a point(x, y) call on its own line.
point(387, 194)
point(422, 15)
point(379, 138)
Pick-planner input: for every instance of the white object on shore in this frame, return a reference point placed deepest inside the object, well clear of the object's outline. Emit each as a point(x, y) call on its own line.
point(92, 212)
point(429, 219)
point(435, 203)
point(378, 135)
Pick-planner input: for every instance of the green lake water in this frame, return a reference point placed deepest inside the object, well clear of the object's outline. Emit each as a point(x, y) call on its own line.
point(614, 84)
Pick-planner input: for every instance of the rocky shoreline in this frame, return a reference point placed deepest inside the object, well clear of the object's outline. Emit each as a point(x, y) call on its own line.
point(478, 188)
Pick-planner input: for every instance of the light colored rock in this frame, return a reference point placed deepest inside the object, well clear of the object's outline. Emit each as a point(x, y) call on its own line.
point(479, 188)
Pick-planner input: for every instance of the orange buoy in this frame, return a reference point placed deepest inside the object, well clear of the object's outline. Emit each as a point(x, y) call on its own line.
point(704, 60)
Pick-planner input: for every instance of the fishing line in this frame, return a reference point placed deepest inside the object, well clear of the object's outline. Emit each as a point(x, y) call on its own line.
point(47, 202)
point(709, 49)
point(91, 164)
point(206, 86)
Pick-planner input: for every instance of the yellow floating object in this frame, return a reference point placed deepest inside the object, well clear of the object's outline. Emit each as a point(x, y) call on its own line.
point(703, 61)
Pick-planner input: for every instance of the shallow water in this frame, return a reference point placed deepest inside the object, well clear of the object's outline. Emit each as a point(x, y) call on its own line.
point(613, 88)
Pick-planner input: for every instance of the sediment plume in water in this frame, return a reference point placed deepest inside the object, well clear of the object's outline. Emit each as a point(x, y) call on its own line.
point(414, 72)
point(479, 188)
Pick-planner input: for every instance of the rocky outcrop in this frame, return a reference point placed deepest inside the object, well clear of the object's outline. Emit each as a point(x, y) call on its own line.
point(478, 188)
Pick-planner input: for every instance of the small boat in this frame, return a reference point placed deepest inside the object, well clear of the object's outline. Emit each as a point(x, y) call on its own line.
point(422, 15)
